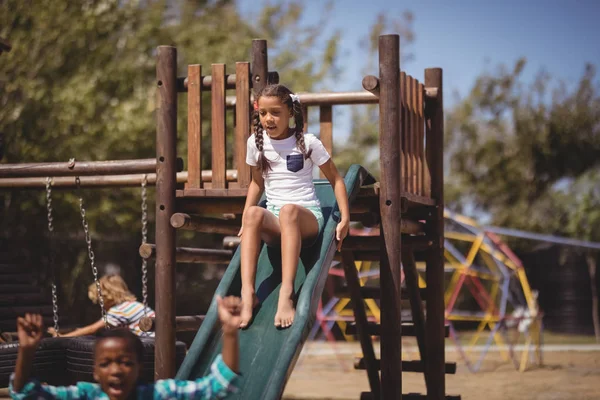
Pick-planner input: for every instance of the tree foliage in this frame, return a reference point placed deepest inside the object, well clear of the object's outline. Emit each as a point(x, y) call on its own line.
point(79, 82)
point(527, 155)
point(362, 146)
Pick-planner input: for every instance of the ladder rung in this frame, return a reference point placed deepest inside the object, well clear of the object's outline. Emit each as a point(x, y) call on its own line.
point(408, 329)
point(409, 396)
point(374, 292)
point(407, 366)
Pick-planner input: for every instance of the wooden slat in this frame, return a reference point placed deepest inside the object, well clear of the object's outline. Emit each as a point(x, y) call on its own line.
point(242, 121)
point(219, 159)
point(373, 292)
point(412, 176)
point(408, 329)
point(426, 175)
point(407, 366)
point(404, 132)
point(417, 172)
point(373, 243)
point(194, 102)
point(326, 128)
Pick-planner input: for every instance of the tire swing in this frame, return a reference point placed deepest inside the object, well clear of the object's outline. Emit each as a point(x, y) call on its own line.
point(80, 350)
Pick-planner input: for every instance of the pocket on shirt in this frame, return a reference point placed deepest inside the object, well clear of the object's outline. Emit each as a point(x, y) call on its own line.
point(295, 162)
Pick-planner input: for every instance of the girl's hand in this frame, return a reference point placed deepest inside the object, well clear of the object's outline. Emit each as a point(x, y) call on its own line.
point(341, 231)
point(229, 309)
point(241, 231)
point(53, 332)
point(30, 330)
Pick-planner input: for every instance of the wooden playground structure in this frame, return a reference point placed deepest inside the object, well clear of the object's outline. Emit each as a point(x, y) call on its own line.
point(407, 202)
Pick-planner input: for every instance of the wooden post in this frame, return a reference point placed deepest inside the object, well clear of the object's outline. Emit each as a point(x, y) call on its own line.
point(326, 128)
point(390, 206)
point(194, 140)
point(166, 141)
point(260, 65)
point(434, 333)
point(219, 159)
point(242, 125)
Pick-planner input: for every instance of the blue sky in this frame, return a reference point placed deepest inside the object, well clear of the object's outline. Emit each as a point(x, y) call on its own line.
point(467, 37)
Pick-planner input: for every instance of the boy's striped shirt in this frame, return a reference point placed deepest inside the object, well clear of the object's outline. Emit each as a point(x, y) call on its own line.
point(218, 384)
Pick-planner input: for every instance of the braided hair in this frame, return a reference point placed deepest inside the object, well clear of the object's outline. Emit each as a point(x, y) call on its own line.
point(283, 93)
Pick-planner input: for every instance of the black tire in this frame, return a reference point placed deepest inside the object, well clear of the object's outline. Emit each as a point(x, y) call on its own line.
point(49, 363)
point(80, 358)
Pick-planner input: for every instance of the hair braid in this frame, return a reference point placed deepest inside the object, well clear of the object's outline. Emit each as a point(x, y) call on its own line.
point(263, 163)
point(299, 129)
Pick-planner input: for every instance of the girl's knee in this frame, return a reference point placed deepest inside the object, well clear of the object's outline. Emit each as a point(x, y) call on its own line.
point(254, 216)
point(289, 213)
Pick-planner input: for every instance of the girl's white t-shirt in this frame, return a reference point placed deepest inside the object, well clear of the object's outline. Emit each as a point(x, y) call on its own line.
point(290, 179)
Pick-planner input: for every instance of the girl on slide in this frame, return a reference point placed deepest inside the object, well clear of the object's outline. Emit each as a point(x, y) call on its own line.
point(282, 160)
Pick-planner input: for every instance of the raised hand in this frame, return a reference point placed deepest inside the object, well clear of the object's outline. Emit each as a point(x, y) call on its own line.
point(341, 231)
point(229, 309)
point(30, 330)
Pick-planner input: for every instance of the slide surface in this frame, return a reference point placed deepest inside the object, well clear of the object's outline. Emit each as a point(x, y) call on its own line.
point(268, 354)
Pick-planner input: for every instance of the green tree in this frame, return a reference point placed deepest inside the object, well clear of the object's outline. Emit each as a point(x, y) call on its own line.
point(527, 155)
point(79, 82)
point(362, 146)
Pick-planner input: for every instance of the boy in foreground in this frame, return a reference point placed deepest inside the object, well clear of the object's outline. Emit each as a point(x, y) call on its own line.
point(117, 365)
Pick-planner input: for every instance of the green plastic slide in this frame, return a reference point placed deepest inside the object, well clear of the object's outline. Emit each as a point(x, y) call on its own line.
point(268, 354)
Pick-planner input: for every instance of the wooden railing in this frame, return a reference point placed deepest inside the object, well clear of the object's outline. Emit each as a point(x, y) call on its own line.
point(416, 177)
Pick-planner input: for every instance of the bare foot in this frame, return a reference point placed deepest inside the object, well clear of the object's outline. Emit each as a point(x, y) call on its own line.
point(285, 309)
point(249, 301)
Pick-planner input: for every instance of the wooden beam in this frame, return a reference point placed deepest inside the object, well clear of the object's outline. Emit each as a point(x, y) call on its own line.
point(182, 324)
point(190, 254)
point(390, 208)
point(205, 224)
point(434, 337)
point(166, 142)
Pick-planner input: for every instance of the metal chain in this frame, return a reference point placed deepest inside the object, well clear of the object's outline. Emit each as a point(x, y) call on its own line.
point(88, 240)
point(144, 240)
point(52, 266)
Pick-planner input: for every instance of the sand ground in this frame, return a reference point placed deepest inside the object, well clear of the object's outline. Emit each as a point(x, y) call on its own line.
point(325, 371)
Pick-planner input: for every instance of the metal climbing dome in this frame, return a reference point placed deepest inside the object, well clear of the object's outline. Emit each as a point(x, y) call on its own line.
point(488, 298)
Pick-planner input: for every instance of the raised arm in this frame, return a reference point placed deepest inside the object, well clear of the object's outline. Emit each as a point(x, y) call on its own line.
point(86, 330)
point(29, 330)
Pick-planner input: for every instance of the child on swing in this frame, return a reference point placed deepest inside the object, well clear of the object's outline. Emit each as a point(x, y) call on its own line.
point(282, 160)
point(118, 362)
point(122, 309)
